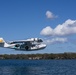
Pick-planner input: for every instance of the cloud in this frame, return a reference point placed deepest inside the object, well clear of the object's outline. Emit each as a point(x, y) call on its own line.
point(47, 31)
point(50, 15)
point(55, 40)
point(67, 28)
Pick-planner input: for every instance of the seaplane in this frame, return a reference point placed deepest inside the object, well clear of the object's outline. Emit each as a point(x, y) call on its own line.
point(24, 45)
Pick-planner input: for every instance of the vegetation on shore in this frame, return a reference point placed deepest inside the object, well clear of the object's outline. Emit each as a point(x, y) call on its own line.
point(39, 56)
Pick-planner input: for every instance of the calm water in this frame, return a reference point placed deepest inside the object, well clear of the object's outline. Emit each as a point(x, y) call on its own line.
point(37, 67)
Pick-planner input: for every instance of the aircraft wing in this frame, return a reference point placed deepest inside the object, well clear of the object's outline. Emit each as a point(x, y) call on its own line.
point(20, 41)
point(26, 41)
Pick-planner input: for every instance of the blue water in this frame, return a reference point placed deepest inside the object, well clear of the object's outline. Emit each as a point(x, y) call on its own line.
point(37, 67)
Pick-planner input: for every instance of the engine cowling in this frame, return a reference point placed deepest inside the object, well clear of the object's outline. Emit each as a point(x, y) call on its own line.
point(38, 40)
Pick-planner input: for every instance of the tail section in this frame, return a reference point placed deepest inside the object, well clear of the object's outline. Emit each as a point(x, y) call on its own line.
point(2, 42)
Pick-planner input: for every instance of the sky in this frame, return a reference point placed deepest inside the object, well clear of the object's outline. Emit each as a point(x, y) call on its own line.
point(53, 21)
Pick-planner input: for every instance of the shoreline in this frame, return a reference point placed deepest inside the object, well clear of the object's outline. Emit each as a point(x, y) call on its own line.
point(54, 56)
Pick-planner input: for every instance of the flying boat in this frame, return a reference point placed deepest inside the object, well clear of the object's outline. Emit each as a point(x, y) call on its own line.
point(24, 45)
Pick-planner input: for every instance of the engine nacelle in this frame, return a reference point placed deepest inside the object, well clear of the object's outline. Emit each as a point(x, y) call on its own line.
point(32, 39)
point(38, 40)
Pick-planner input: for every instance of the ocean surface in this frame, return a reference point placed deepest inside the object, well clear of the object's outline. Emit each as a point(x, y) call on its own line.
point(37, 67)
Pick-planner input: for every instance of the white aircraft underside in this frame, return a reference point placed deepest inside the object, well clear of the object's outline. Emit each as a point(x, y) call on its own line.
point(25, 45)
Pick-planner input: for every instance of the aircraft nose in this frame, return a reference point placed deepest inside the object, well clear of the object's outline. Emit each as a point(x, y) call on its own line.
point(44, 45)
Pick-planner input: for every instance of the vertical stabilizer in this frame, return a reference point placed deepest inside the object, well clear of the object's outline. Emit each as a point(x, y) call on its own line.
point(2, 42)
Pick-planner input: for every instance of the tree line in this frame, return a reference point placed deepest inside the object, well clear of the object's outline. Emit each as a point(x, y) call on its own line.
point(39, 56)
